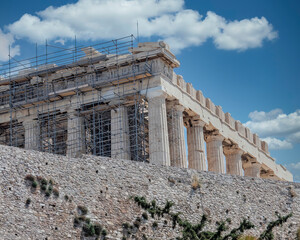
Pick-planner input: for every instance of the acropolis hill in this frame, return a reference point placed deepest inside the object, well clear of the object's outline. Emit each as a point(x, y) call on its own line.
point(89, 131)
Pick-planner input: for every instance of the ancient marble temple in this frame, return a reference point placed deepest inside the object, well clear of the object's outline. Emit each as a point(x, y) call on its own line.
point(126, 102)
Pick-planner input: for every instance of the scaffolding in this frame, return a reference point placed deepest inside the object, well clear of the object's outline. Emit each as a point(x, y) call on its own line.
point(66, 101)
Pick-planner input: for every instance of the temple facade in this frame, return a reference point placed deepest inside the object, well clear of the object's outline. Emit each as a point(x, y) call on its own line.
point(127, 102)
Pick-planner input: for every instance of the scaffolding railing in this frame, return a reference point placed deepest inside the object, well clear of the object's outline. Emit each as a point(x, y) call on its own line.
point(52, 85)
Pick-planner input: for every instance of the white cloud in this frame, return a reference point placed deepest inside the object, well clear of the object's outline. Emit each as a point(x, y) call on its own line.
point(7, 40)
point(280, 130)
point(277, 144)
point(295, 165)
point(165, 19)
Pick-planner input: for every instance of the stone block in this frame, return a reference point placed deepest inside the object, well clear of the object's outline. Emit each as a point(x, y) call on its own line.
point(4, 88)
point(240, 128)
point(210, 105)
point(264, 146)
point(229, 120)
point(181, 83)
point(191, 90)
point(200, 97)
point(220, 113)
point(256, 140)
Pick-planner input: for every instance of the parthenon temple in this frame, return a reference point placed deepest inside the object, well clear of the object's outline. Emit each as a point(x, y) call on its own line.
point(123, 101)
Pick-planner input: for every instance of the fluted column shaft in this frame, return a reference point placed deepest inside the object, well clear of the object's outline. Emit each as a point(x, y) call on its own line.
point(215, 156)
point(252, 169)
point(120, 142)
point(176, 136)
point(76, 135)
point(159, 150)
point(32, 134)
point(233, 160)
point(196, 147)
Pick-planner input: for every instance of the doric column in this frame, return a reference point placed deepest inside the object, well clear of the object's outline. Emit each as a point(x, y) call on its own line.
point(233, 160)
point(252, 169)
point(120, 142)
point(196, 147)
point(76, 135)
point(176, 135)
point(159, 150)
point(32, 134)
point(215, 156)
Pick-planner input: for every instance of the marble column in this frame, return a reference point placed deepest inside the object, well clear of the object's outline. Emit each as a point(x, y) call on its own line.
point(196, 147)
point(159, 150)
point(120, 141)
point(76, 135)
point(233, 160)
point(176, 135)
point(252, 169)
point(32, 134)
point(215, 156)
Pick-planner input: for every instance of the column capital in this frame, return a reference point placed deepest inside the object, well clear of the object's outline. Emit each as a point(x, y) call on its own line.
point(175, 105)
point(196, 121)
point(156, 92)
point(214, 137)
point(230, 150)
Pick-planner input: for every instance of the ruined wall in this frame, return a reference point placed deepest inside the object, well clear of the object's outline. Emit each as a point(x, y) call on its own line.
point(104, 186)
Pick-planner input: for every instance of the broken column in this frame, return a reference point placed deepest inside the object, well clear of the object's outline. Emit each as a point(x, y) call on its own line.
point(214, 150)
point(159, 150)
point(233, 160)
point(252, 169)
point(76, 134)
point(196, 147)
point(120, 142)
point(32, 133)
point(176, 135)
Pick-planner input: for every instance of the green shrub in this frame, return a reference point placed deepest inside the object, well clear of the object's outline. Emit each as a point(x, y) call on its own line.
point(89, 230)
point(66, 197)
point(104, 232)
point(34, 184)
point(44, 181)
point(47, 193)
point(50, 188)
point(43, 187)
point(98, 229)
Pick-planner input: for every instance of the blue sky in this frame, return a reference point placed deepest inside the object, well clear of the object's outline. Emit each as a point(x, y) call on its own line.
point(244, 55)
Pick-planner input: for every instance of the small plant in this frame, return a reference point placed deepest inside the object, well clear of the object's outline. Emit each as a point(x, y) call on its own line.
point(34, 184)
point(195, 182)
point(44, 187)
point(66, 197)
point(76, 221)
point(82, 210)
point(126, 225)
point(51, 182)
point(298, 234)
point(47, 193)
point(44, 182)
point(55, 192)
point(29, 177)
point(98, 229)
point(104, 232)
point(89, 230)
point(50, 188)
point(28, 201)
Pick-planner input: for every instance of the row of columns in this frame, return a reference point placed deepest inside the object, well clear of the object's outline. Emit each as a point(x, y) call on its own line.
point(167, 142)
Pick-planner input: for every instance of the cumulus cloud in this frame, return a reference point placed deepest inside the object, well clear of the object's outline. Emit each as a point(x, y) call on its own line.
point(7, 40)
point(165, 19)
point(277, 144)
point(280, 130)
